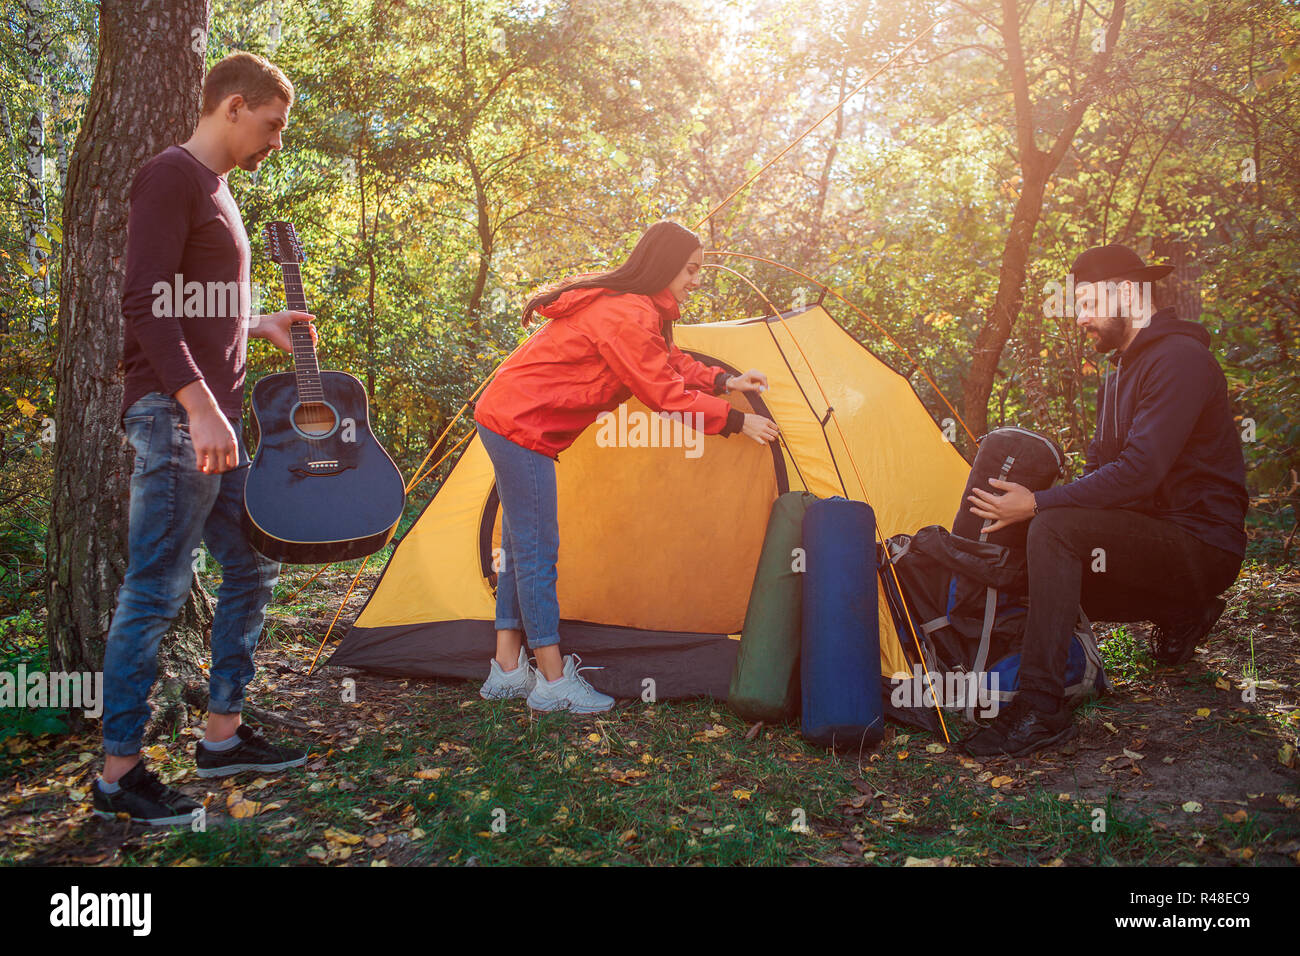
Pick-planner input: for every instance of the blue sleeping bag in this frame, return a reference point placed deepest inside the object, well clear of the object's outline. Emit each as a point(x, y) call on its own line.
point(840, 655)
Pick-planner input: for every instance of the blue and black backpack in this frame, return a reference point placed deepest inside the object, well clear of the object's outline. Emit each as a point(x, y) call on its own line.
point(963, 594)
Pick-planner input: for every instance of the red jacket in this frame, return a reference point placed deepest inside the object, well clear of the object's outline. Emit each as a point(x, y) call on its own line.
point(598, 350)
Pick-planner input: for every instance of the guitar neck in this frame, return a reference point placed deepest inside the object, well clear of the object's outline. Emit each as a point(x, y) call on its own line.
point(306, 368)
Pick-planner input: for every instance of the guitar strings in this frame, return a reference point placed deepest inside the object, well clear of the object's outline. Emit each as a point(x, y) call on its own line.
point(314, 414)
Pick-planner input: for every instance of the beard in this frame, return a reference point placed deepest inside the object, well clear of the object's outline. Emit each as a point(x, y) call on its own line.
point(250, 163)
point(1110, 333)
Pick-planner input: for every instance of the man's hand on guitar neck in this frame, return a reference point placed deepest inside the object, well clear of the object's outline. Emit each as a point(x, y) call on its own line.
point(274, 327)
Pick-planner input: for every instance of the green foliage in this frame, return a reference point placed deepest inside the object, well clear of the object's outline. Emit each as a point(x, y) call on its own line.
point(445, 159)
point(1125, 655)
point(22, 643)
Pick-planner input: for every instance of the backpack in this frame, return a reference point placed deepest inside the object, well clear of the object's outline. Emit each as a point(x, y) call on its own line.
point(962, 596)
point(965, 603)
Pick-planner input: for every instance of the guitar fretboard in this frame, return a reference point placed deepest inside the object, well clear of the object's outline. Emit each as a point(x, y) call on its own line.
point(306, 368)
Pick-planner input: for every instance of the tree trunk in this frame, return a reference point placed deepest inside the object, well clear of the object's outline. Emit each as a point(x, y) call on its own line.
point(7, 132)
point(1036, 168)
point(368, 243)
point(145, 97)
point(1007, 301)
point(824, 180)
point(60, 142)
point(32, 209)
point(483, 228)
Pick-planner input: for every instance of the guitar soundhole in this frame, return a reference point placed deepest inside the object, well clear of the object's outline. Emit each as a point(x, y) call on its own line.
point(315, 419)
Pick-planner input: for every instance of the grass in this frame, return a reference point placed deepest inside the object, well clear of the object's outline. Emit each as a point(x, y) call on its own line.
point(417, 773)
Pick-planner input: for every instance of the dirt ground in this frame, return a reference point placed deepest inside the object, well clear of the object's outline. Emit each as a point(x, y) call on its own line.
point(1182, 765)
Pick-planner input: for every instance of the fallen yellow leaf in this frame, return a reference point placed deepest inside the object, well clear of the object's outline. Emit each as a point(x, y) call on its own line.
point(239, 807)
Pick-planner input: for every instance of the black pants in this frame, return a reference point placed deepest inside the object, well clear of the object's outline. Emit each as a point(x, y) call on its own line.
point(1153, 571)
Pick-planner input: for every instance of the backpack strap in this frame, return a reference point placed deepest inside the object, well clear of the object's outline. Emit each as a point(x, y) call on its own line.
point(1006, 470)
point(986, 636)
point(1094, 673)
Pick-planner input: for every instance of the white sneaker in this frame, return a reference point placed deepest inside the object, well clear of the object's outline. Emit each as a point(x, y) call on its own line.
point(504, 685)
point(571, 692)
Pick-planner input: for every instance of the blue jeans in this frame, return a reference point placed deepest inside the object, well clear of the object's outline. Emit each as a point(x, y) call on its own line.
point(530, 540)
point(173, 507)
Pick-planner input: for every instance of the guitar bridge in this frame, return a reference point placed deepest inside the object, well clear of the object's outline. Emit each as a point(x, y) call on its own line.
point(325, 467)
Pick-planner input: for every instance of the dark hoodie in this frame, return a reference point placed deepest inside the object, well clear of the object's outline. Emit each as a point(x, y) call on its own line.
point(1166, 444)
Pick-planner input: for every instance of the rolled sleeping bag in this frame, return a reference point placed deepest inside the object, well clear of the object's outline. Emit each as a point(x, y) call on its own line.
point(839, 661)
point(1012, 454)
point(765, 678)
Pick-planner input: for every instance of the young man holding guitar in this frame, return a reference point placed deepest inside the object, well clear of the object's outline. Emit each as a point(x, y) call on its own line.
point(182, 409)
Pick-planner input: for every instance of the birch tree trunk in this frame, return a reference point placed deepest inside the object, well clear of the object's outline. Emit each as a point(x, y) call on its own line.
point(32, 209)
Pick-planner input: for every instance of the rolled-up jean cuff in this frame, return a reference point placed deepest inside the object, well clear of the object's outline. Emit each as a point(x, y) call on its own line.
point(509, 624)
point(120, 748)
point(225, 706)
point(536, 642)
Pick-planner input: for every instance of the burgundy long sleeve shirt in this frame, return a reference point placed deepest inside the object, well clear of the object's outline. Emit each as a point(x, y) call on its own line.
point(186, 298)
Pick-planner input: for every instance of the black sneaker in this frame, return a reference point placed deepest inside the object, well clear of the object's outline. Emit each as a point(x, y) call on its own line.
point(253, 752)
point(1174, 644)
point(146, 799)
point(1020, 730)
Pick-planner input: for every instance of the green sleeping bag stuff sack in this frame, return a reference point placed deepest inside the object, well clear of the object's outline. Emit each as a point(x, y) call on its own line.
point(765, 680)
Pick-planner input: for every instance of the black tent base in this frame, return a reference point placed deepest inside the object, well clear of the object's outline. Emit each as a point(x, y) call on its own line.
point(649, 665)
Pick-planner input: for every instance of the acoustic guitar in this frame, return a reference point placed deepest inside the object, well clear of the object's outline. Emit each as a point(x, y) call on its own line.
point(321, 488)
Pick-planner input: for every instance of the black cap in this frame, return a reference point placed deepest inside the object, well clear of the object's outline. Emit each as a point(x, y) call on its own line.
point(1115, 263)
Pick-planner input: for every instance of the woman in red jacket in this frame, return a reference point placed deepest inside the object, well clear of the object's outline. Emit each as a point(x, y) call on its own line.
point(609, 338)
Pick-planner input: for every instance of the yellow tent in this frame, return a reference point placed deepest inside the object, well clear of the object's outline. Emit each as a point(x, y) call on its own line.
point(658, 545)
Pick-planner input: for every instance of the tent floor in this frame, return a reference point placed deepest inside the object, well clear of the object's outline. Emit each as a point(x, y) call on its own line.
point(633, 663)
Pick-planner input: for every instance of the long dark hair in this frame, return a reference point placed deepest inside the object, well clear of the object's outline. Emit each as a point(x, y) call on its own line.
point(659, 255)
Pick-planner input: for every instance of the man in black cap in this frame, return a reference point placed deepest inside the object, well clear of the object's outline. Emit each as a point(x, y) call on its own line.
point(1154, 530)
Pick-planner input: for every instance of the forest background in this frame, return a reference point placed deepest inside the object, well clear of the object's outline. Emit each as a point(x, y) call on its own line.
point(444, 159)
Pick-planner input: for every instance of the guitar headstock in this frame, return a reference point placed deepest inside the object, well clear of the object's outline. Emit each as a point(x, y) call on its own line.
point(282, 243)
